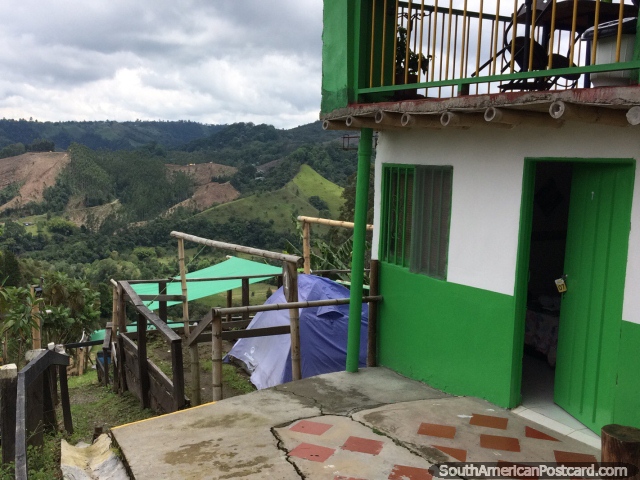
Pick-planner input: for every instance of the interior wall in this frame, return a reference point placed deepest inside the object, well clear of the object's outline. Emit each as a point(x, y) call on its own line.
point(549, 228)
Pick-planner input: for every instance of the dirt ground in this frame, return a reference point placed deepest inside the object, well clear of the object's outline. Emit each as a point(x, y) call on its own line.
point(206, 196)
point(36, 171)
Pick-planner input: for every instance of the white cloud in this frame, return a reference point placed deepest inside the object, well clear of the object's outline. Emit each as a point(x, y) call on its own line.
point(213, 62)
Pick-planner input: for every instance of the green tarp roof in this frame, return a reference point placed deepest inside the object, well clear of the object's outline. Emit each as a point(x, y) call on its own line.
point(234, 267)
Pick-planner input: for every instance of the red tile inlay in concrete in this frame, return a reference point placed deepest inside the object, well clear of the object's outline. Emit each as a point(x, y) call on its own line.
point(402, 472)
point(315, 453)
point(489, 421)
point(312, 428)
point(571, 457)
point(495, 442)
point(363, 445)
point(502, 463)
point(435, 430)
point(456, 453)
point(533, 433)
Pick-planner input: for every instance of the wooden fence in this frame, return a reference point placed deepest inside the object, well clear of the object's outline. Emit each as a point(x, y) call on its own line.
point(29, 400)
point(290, 265)
point(235, 330)
point(133, 371)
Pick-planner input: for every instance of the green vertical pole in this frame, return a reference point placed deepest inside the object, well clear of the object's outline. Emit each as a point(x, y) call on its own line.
point(357, 260)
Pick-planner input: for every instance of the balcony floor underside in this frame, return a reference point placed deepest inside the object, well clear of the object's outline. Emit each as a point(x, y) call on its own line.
point(613, 101)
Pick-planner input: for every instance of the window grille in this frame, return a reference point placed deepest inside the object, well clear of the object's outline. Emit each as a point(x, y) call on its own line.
point(416, 217)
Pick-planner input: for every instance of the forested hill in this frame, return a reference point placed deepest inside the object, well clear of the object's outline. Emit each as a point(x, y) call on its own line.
point(106, 134)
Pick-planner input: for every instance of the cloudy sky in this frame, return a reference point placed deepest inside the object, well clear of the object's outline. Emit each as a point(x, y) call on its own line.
point(211, 61)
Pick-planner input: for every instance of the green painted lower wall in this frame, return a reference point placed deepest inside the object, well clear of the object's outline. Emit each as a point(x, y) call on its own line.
point(455, 338)
point(627, 393)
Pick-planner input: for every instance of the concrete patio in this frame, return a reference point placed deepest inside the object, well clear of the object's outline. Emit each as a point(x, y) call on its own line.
point(373, 424)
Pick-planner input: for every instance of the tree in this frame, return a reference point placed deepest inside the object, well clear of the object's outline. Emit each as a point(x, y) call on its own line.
point(41, 145)
point(74, 308)
point(17, 305)
point(9, 269)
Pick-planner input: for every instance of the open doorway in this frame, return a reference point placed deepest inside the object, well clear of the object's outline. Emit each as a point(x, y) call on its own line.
point(552, 193)
point(576, 217)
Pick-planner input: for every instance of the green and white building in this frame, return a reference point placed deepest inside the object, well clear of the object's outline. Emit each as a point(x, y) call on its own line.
point(500, 167)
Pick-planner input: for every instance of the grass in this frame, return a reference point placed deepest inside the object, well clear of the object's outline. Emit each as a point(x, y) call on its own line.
point(282, 206)
point(232, 378)
point(312, 183)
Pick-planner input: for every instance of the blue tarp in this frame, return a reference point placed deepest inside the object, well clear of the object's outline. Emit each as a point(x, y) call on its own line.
point(323, 336)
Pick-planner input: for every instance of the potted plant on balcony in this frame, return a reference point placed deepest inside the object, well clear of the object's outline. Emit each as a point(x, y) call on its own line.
point(408, 65)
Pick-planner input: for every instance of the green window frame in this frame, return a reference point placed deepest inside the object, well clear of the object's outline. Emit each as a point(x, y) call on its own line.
point(416, 217)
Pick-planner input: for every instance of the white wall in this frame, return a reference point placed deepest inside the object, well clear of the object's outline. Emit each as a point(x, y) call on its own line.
point(487, 186)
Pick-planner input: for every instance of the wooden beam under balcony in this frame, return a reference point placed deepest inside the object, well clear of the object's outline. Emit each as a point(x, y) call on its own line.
point(588, 114)
point(388, 119)
point(465, 120)
point(520, 117)
point(424, 121)
point(633, 116)
point(336, 125)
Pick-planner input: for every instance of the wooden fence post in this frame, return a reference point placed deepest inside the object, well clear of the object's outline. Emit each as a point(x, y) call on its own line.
point(178, 375)
point(162, 311)
point(306, 246)
point(229, 303)
point(50, 422)
point(143, 366)
point(216, 356)
point(8, 393)
point(122, 329)
point(372, 327)
point(64, 399)
point(621, 444)
point(194, 358)
point(290, 281)
point(245, 297)
point(183, 280)
point(36, 340)
point(35, 412)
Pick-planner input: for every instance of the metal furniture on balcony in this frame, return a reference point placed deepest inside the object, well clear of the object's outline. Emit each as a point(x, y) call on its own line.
point(467, 47)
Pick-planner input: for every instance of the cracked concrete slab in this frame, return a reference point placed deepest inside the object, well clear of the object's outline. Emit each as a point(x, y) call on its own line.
point(342, 393)
point(345, 449)
point(228, 439)
point(336, 426)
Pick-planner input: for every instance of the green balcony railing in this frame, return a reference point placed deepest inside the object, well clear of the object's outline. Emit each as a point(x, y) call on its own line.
point(446, 48)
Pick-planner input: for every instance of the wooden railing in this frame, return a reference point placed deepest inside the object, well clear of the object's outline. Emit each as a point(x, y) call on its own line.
point(445, 48)
point(212, 328)
point(29, 400)
point(290, 265)
point(135, 372)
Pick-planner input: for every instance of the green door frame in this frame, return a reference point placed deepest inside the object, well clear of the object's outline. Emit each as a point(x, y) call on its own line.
point(523, 252)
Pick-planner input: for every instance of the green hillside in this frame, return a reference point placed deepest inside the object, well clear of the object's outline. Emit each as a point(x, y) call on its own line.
point(279, 206)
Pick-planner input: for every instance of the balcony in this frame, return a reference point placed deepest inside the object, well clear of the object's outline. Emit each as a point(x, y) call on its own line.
point(439, 50)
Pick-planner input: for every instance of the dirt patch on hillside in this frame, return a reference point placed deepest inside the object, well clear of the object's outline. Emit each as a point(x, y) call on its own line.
point(36, 171)
point(203, 172)
point(208, 195)
point(91, 217)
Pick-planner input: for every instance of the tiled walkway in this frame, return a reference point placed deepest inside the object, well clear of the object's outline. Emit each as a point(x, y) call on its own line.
point(453, 429)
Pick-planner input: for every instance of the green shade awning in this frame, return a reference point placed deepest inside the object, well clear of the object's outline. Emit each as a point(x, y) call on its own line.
point(233, 267)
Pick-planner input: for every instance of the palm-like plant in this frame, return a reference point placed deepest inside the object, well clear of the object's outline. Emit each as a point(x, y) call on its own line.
point(416, 61)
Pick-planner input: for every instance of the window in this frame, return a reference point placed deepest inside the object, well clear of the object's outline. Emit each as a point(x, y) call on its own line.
point(416, 217)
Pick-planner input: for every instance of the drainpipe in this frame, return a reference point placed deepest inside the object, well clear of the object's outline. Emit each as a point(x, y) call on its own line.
point(357, 259)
